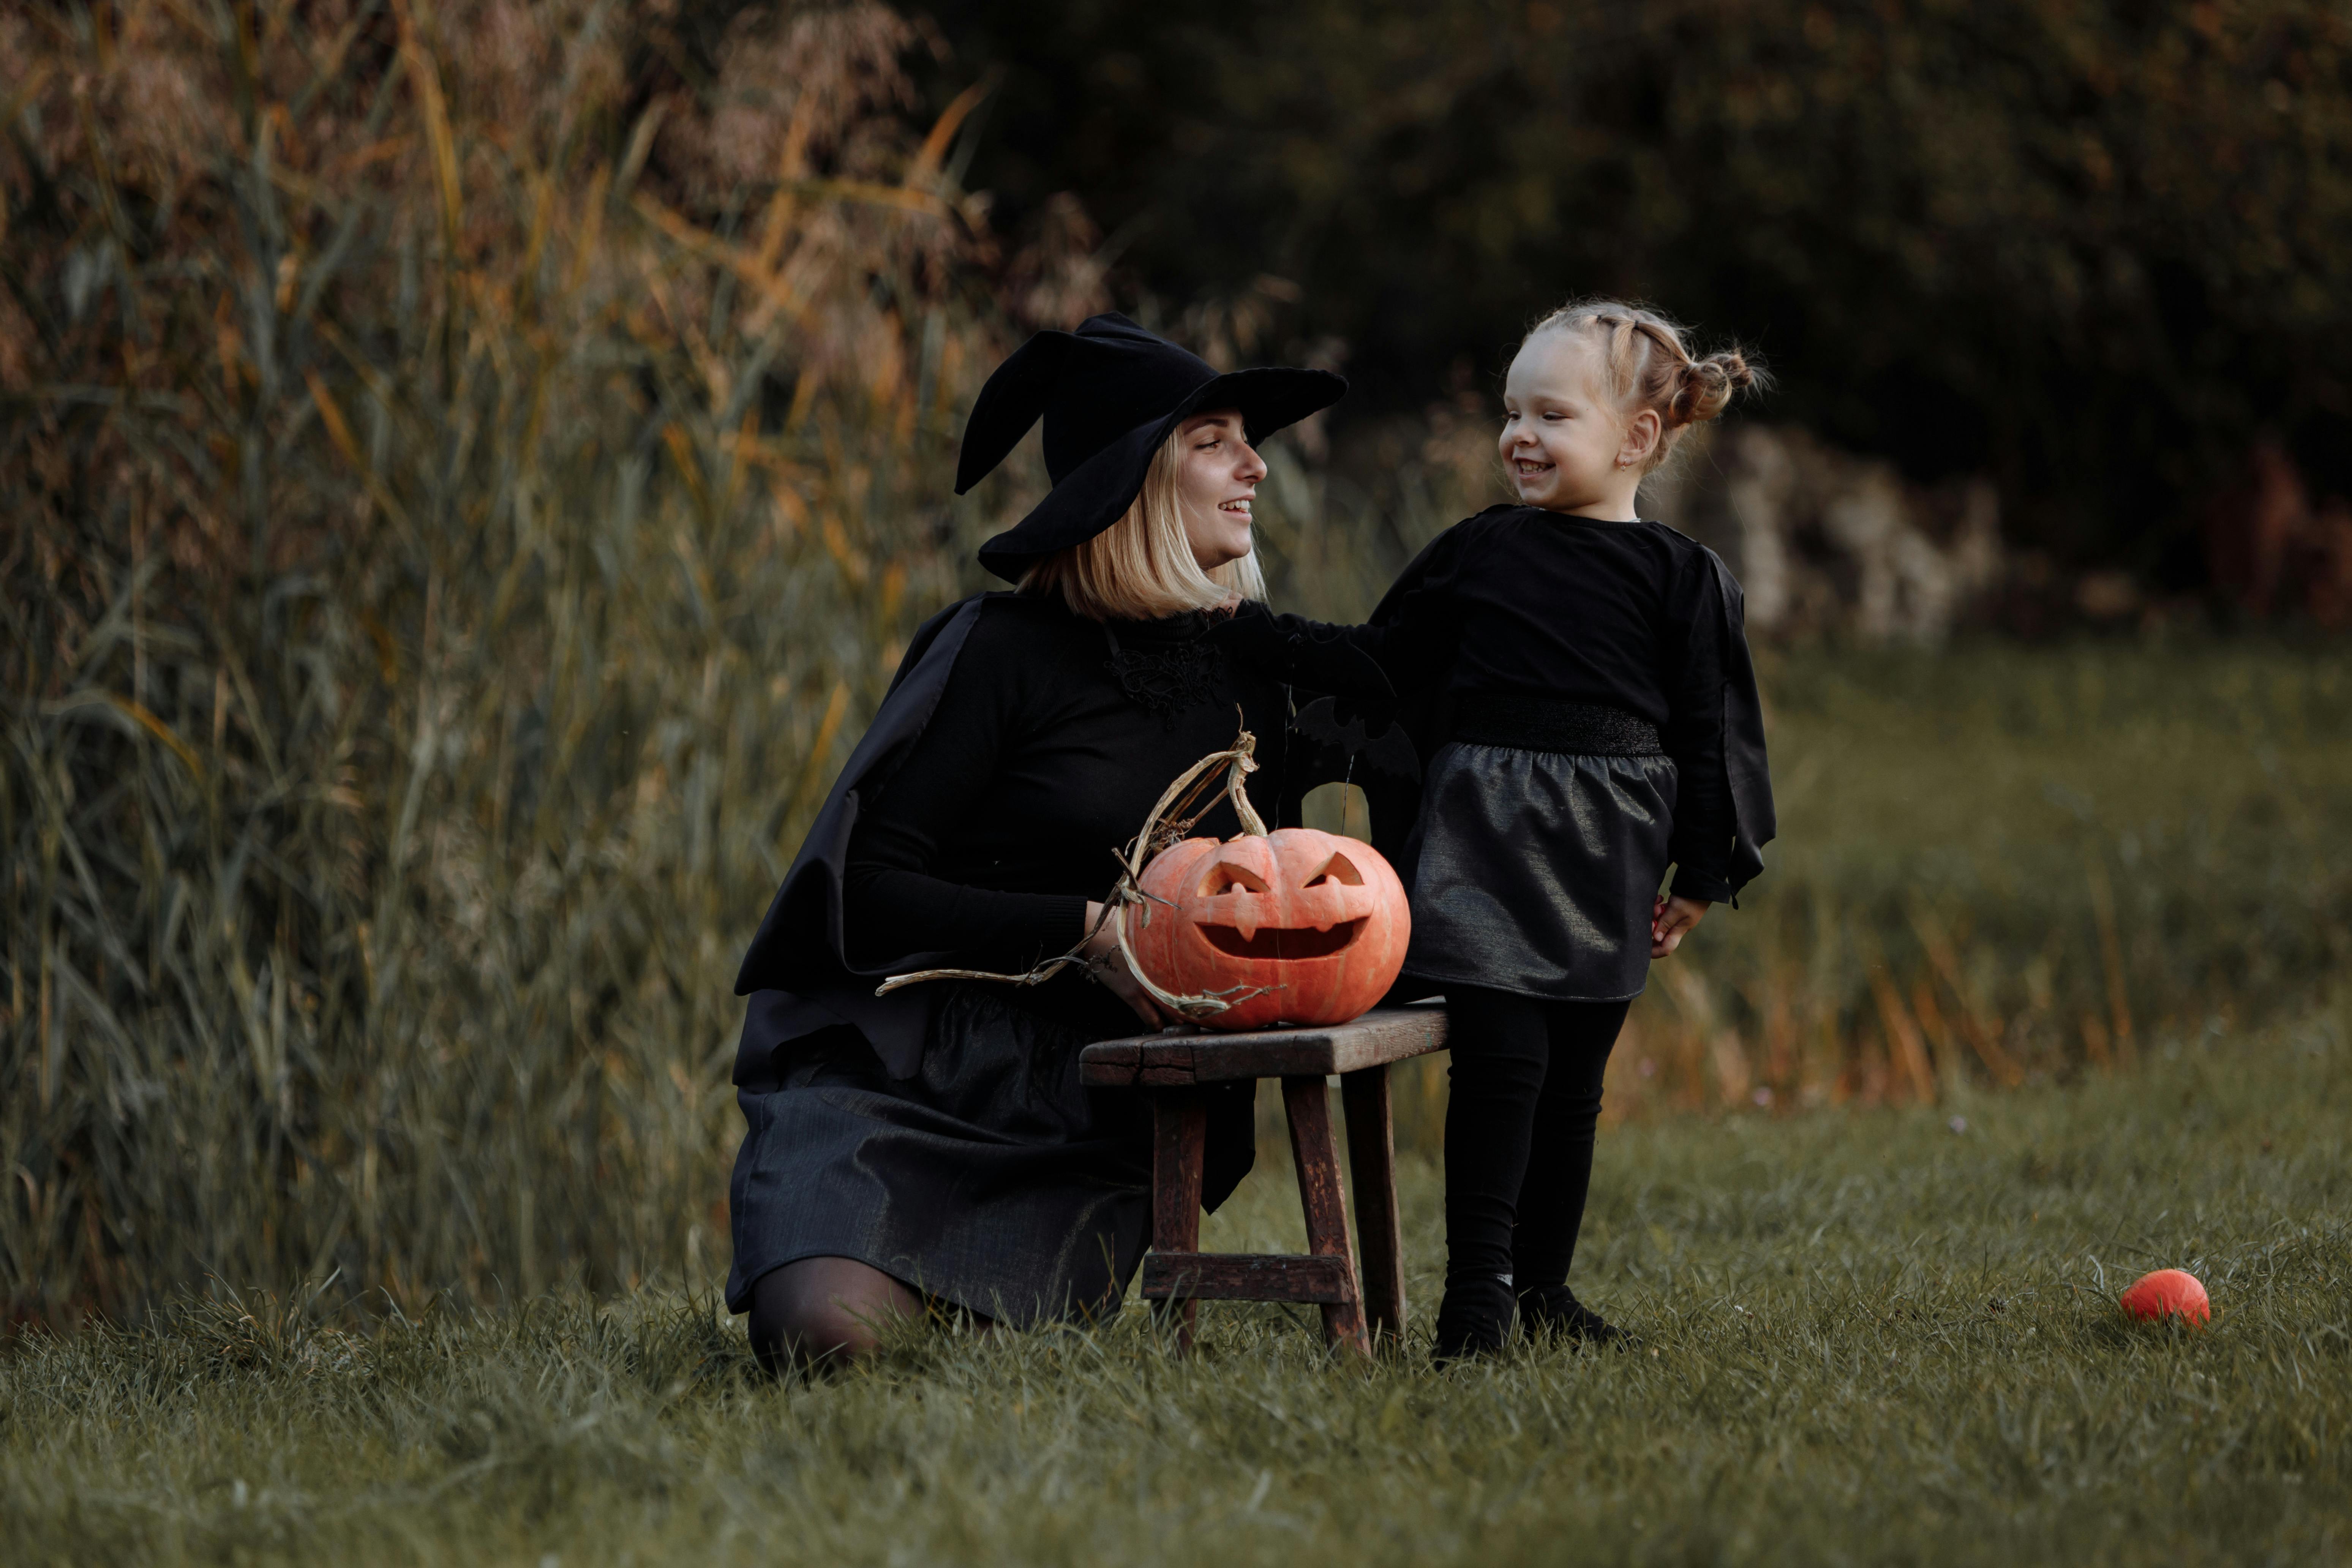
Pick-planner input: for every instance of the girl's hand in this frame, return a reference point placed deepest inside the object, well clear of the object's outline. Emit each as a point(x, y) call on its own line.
point(1107, 964)
point(1671, 919)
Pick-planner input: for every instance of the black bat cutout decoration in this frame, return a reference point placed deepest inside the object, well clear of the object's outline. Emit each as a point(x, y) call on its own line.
point(1389, 751)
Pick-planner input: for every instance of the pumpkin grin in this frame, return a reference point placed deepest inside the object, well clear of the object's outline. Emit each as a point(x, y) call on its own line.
point(1278, 943)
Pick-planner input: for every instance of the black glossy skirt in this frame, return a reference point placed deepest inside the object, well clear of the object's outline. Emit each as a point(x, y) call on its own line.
point(1535, 871)
point(992, 1179)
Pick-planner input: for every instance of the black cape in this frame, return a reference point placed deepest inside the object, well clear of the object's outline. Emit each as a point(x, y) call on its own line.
point(797, 971)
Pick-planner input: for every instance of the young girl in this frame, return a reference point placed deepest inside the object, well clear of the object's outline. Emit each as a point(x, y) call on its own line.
point(1580, 684)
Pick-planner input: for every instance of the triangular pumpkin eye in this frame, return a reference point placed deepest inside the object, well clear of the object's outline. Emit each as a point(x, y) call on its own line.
point(1338, 869)
point(1225, 877)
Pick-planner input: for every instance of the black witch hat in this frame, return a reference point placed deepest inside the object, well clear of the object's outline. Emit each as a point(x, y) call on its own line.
point(1110, 393)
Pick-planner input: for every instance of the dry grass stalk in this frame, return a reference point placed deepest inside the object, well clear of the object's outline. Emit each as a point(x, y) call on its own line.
point(461, 472)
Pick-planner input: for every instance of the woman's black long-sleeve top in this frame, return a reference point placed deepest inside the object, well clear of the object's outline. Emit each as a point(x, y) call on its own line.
point(1052, 740)
point(1520, 602)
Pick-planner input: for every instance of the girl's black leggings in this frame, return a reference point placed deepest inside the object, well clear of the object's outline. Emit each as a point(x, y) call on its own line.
point(1526, 1082)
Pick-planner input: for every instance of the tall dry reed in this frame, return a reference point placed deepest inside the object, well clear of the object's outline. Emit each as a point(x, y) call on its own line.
point(468, 473)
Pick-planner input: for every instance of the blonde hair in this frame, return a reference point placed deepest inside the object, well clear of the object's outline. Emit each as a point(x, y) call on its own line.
point(1649, 365)
point(1140, 568)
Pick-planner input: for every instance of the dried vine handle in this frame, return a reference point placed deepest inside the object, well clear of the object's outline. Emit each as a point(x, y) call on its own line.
point(1183, 798)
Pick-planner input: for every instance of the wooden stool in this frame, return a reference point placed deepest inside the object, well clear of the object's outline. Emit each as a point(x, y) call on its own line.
point(1171, 1068)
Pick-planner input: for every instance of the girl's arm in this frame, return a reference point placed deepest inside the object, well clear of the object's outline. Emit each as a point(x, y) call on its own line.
point(1704, 814)
point(1338, 660)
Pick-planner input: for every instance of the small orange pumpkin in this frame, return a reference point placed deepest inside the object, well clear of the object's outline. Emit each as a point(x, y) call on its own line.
point(1317, 921)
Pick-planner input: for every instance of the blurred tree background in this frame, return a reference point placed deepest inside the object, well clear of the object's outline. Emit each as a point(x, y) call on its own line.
point(2099, 249)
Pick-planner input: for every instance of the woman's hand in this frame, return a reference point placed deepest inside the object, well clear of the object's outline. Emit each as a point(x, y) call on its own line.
point(1107, 964)
point(1671, 919)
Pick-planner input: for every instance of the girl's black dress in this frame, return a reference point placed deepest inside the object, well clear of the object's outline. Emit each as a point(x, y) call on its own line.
point(941, 1135)
point(1580, 694)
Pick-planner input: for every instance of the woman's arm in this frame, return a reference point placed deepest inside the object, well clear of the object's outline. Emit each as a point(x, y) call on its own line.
point(1010, 934)
point(892, 905)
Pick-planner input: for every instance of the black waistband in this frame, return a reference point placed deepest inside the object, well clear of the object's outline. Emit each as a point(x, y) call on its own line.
point(1540, 724)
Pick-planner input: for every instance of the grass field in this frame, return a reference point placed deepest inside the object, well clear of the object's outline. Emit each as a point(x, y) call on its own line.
point(1872, 1335)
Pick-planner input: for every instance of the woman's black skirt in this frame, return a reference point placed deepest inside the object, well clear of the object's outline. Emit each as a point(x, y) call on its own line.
point(992, 1179)
point(1535, 871)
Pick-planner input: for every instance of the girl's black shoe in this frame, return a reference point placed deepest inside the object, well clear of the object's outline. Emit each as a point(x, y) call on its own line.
point(1553, 1312)
point(1474, 1320)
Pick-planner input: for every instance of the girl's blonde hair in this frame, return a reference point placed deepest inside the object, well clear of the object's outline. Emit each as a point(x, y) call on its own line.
point(1649, 365)
point(1140, 568)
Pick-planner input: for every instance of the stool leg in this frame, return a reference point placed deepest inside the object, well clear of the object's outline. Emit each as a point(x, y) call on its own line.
point(1317, 1154)
point(1380, 1236)
point(1180, 1123)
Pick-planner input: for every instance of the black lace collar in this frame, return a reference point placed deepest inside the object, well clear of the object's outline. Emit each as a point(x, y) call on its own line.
point(1176, 667)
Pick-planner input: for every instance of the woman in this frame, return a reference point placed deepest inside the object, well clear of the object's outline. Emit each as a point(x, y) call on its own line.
point(935, 1144)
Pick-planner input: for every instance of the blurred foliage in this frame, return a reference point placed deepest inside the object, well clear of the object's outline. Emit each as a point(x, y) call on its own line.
point(2092, 246)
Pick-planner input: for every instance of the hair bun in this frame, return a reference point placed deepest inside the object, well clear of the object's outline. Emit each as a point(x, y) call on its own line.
point(1709, 384)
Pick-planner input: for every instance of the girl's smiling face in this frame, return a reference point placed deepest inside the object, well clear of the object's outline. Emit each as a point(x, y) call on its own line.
point(1566, 442)
point(1216, 481)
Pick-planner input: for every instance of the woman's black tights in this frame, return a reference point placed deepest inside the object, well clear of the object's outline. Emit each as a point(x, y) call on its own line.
point(1526, 1082)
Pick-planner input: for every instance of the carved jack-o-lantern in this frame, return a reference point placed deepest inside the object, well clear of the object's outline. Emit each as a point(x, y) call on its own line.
point(1318, 921)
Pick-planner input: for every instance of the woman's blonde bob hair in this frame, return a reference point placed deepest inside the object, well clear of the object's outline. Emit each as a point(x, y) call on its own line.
point(1140, 568)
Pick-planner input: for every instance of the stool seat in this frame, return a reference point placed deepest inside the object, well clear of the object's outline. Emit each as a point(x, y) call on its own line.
point(1382, 1036)
point(1171, 1068)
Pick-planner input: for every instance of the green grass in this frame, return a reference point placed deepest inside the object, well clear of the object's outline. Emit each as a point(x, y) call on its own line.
point(1869, 1338)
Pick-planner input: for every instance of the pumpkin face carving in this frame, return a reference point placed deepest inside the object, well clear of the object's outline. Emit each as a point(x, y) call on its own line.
point(1317, 919)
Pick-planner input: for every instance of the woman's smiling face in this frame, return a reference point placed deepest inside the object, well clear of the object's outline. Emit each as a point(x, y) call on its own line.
point(1566, 443)
point(1215, 483)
